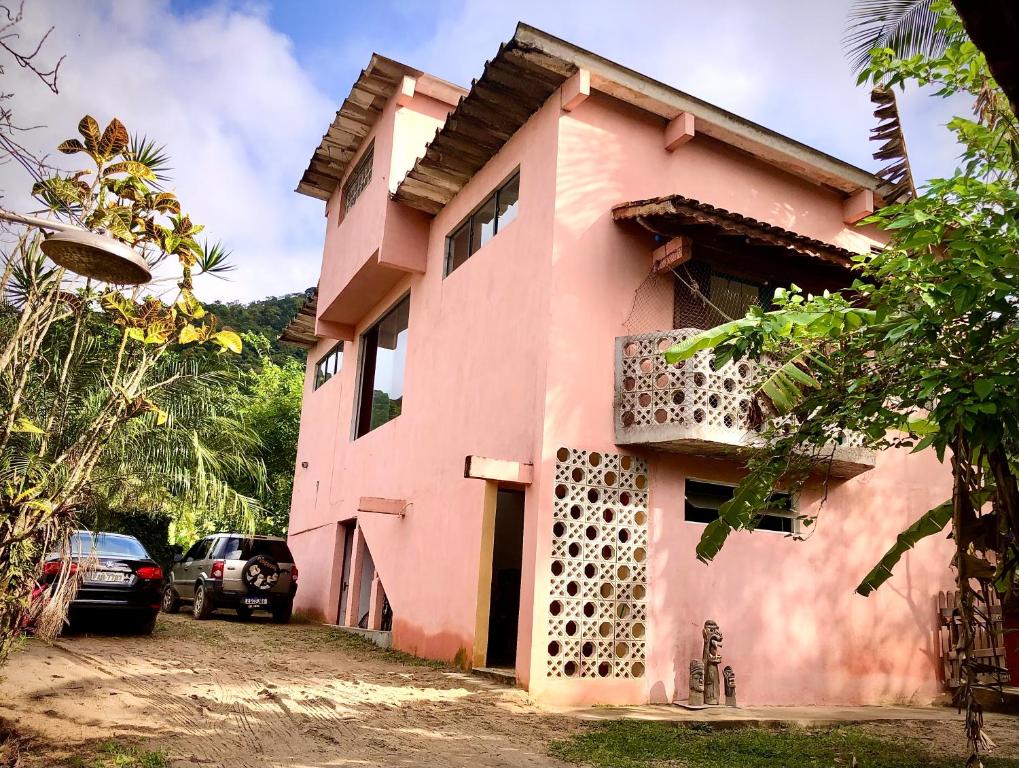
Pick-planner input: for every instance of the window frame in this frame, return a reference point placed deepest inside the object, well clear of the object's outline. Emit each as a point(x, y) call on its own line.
point(361, 408)
point(791, 514)
point(469, 221)
point(365, 162)
point(320, 377)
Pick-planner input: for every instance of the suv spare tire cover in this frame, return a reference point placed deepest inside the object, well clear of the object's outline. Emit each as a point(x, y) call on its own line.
point(260, 573)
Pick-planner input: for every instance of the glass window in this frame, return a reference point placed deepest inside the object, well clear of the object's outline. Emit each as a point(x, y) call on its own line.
point(498, 210)
point(198, 550)
point(704, 499)
point(458, 247)
point(384, 356)
point(244, 548)
point(329, 365)
point(509, 197)
point(732, 297)
point(483, 224)
point(106, 545)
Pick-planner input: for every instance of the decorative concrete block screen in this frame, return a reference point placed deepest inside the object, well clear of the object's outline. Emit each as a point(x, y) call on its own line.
point(597, 609)
point(652, 392)
point(689, 407)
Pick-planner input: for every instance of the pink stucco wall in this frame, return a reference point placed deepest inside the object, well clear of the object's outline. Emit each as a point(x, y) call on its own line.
point(458, 399)
point(511, 357)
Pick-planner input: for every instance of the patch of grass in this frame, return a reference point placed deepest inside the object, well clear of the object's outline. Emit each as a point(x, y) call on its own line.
point(636, 744)
point(355, 643)
point(113, 754)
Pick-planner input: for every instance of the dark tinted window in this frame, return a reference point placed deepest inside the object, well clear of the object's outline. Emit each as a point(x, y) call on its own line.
point(198, 550)
point(329, 365)
point(498, 210)
point(509, 197)
point(106, 544)
point(243, 548)
point(458, 247)
point(383, 359)
point(483, 228)
point(704, 499)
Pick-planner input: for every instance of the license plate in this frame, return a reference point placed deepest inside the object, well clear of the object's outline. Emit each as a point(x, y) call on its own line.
point(108, 577)
point(256, 601)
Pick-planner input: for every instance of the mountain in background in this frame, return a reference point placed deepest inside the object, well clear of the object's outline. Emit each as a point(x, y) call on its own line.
point(268, 316)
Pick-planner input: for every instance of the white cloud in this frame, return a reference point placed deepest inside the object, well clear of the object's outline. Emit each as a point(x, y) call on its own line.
point(780, 63)
point(240, 116)
point(224, 92)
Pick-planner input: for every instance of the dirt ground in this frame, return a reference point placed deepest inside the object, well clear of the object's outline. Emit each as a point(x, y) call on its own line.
point(226, 694)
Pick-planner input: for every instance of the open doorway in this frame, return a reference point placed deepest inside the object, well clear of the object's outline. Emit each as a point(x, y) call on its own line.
point(348, 553)
point(504, 606)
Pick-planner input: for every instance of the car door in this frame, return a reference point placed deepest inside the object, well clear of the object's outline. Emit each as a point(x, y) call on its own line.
point(188, 569)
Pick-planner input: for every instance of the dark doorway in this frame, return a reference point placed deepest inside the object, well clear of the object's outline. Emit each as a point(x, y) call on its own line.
point(348, 551)
point(506, 558)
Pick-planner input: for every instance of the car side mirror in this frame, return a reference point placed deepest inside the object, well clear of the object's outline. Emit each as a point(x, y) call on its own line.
point(178, 558)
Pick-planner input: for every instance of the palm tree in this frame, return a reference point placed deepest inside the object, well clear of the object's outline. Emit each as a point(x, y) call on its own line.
point(906, 26)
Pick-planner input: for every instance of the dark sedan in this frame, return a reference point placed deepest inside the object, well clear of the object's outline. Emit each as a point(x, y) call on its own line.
point(123, 589)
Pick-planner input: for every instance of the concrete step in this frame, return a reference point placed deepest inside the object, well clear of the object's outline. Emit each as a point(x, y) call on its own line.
point(504, 675)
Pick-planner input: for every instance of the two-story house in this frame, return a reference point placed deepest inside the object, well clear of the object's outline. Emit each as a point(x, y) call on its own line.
point(497, 466)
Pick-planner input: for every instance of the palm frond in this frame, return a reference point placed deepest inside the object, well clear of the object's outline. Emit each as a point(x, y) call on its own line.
point(214, 260)
point(897, 173)
point(907, 27)
point(153, 156)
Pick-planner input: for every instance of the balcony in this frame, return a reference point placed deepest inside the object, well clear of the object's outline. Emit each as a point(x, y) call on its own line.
point(690, 408)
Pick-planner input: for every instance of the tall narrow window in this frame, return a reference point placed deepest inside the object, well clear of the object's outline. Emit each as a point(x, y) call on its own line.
point(383, 358)
point(498, 210)
point(703, 501)
point(329, 365)
point(359, 179)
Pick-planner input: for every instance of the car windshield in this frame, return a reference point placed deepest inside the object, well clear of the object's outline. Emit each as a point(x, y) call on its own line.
point(241, 548)
point(107, 545)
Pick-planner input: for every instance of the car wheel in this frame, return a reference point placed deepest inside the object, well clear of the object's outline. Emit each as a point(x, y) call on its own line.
point(282, 612)
point(202, 606)
point(147, 625)
point(244, 612)
point(171, 600)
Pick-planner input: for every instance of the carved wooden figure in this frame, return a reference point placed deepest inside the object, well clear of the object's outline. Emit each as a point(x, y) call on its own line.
point(729, 678)
point(696, 683)
point(712, 657)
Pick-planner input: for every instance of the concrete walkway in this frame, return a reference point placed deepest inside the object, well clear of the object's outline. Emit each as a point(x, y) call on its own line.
point(743, 716)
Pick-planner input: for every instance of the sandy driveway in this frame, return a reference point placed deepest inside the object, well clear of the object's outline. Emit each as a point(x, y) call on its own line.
point(225, 693)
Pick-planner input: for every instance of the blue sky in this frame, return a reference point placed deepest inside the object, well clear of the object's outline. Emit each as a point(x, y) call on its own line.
point(242, 91)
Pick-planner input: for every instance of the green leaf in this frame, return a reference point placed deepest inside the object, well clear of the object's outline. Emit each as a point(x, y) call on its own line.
point(71, 146)
point(707, 340)
point(933, 521)
point(114, 139)
point(132, 168)
point(25, 425)
point(89, 130)
point(228, 340)
point(189, 334)
point(983, 387)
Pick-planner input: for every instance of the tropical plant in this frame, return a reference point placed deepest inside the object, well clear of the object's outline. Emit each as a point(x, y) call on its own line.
point(920, 353)
point(908, 27)
point(106, 394)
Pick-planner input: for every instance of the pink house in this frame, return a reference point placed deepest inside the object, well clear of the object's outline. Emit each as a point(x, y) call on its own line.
point(496, 467)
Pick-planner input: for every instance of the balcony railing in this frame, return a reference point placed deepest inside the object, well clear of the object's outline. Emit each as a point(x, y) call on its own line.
point(691, 408)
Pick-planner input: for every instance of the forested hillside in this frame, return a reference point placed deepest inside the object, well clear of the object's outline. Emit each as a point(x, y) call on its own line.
point(267, 317)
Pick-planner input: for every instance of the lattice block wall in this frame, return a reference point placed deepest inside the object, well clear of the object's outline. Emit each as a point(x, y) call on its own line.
point(597, 622)
point(689, 407)
point(654, 392)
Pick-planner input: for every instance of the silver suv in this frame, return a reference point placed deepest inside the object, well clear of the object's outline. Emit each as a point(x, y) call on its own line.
point(233, 570)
